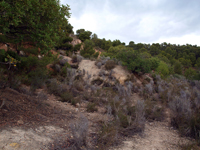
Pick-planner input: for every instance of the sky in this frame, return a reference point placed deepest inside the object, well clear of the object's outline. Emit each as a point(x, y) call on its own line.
point(141, 21)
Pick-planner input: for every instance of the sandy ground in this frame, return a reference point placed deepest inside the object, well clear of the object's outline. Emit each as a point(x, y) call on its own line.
point(157, 136)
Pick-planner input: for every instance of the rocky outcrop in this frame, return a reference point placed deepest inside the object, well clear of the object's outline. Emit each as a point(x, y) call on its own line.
point(75, 40)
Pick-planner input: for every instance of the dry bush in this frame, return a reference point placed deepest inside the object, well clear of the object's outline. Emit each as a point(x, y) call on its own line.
point(66, 97)
point(55, 87)
point(79, 131)
point(74, 59)
point(98, 63)
point(140, 115)
point(91, 107)
point(153, 111)
point(42, 96)
point(123, 119)
point(97, 81)
point(78, 85)
point(181, 113)
point(107, 135)
point(110, 64)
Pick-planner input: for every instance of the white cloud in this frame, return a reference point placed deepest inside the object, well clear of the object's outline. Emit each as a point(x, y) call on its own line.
point(186, 39)
point(140, 21)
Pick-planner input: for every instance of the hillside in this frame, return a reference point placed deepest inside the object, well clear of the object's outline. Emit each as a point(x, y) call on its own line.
point(61, 90)
point(44, 119)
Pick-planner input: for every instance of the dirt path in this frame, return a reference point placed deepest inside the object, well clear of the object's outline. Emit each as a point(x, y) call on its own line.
point(157, 136)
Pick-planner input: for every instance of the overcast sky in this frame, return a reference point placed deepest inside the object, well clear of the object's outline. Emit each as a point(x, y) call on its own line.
point(141, 21)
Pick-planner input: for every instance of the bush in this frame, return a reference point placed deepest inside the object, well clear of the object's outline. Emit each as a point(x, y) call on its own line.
point(178, 67)
point(74, 59)
point(67, 39)
point(2, 55)
point(181, 114)
point(96, 55)
point(78, 85)
point(88, 50)
point(154, 63)
point(153, 111)
point(66, 97)
point(140, 115)
point(37, 78)
point(79, 132)
point(190, 73)
point(163, 69)
point(77, 47)
point(107, 135)
point(123, 119)
point(91, 107)
point(110, 64)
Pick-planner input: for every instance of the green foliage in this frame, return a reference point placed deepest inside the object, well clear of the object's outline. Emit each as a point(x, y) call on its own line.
point(190, 73)
point(131, 44)
point(163, 69)
point(2, 55)
point(116, 43)
point(154, 50)
point(178, 67)
point(37, 78)
point(185, 62)
point(133, 61)
point(171, 51)
point(163, 58)
point(145, 55)
point(96, 55)
point(83, 35)
point(77, 47)
point(154, 62)
point(198, 62)
point(67, 39)
point(33, 21)
point(13, 54)
point(88, 50)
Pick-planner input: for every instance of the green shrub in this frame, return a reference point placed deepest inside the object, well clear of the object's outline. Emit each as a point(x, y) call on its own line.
point(66, 97)
point(37, 78)
point(96, 55)
point(178, 67)
point(163, 69)
point(88, 50)
point(67, 39)
point(66, 46)
point(28, 63)
point(77, 47)
point(74, 59)
point(154, 63)
point(14, 55)
point(29, 51)
point(2, 55)
point(190, 73)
